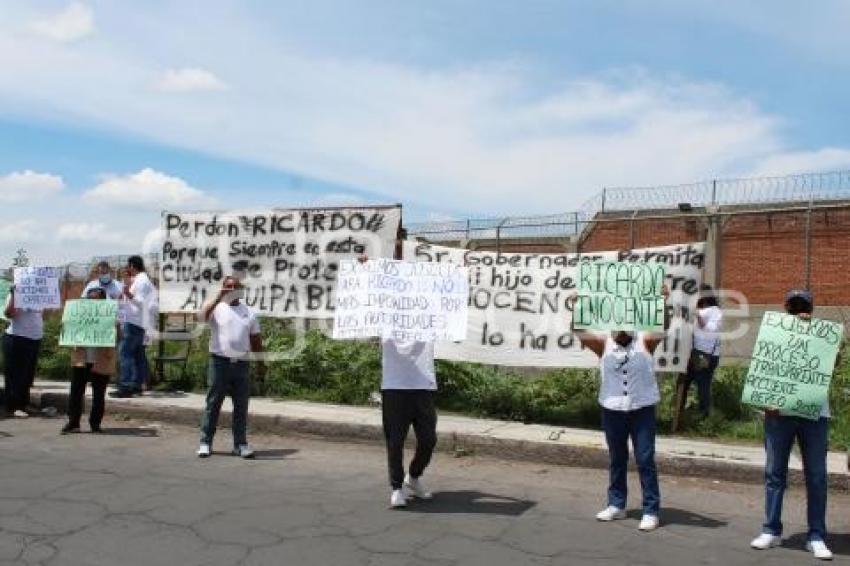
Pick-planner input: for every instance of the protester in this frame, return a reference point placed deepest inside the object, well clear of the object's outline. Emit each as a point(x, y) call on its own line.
point(104, 280)
point(137, 295)
point(628, 395)
point(234, 333)
point(705, 354)
point(94, 365)
point(780, 431)
point(21, 344)
point(408, 389)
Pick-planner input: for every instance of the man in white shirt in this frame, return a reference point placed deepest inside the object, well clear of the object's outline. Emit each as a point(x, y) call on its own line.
point(234, 335)
point(137, 296)
point(21, 343)
point(105, 281)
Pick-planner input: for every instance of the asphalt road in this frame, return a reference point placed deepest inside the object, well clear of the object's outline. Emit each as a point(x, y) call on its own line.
point(138, 495)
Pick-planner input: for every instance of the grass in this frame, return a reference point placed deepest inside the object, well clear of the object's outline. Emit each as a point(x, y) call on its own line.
point(348, 372)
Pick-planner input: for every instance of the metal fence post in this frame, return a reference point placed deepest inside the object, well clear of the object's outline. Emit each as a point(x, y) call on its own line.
point(714, 191)
point(602, 208)
point(808, 258)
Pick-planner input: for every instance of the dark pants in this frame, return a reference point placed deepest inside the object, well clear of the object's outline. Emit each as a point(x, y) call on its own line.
point(226, 377)
point(813, 436)
point(402, 408)
point(640, 426)
point(20, 357)
point(76, 400)
point(702, 377)
point(134, 362)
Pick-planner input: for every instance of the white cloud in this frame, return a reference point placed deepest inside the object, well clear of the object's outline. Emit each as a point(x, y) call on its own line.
point(148, 189)
point(75, 22)
point(188, 80)
point(826, 159)
point(18, 232)
point(96, 232)
point(28, 186)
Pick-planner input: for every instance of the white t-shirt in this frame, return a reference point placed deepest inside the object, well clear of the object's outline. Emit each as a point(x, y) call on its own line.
point(27, 323)
point(113, 291)
point(707, 338)
point(136, 309)
point(408, 365)
point(231, 328)
point(628, 376)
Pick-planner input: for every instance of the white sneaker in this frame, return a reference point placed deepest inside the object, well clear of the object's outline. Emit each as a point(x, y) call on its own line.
point(204, 451)
point(244, 451)
point(648, 523)
point(397, 499)
point(611, 513)
point(413, 488)
point(19, 414)
point(765, 541)
point(819, 549)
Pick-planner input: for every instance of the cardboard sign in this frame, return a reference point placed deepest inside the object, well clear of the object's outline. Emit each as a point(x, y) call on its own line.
point(37, 288)
point(620, 296)
point(401, 300)
point(5, 287)
point(792, 364)
point(89, 322)
point(288, 259)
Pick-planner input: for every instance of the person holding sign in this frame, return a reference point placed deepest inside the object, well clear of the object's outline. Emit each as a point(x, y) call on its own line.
point(92, 365)
point(628, 395)
point(21, 343)
point(705, 354)
point(781, 429)
point(138, 294)
point(234, 333)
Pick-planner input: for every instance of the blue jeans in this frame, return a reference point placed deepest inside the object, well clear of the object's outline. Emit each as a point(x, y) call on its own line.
point(779, 435)
point(134, 362)
point(226, 377)
point(640, 426)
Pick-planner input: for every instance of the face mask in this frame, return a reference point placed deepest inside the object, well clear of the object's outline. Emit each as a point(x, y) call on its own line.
point(105, 279)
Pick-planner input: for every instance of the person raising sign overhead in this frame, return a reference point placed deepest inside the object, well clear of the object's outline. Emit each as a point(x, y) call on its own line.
point(628, 395)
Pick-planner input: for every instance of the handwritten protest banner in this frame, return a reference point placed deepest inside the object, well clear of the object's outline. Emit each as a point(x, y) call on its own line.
point(620, 296)
point(89, 322)
point(792, 364)
point(288, 258)
point(5, 287)
point(37, 288)
point(519, 313)
point(401, 300)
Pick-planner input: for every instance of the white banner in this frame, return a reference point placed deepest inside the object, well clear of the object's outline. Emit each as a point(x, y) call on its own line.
point(401, 300)
point(288, 259)
point(37, 288)
point(518, 314)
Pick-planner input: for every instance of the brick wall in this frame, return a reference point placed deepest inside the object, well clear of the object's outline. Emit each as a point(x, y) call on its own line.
point(763, 253)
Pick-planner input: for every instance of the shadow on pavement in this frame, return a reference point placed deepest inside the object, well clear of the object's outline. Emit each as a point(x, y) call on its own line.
point(473, 502)
point(838, 543)
point(274, 454)
point(140, 432)
point(4, 434)
point(674, 516)
point(165, 394)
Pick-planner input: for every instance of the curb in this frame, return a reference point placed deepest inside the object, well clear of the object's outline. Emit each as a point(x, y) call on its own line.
point(456, 444)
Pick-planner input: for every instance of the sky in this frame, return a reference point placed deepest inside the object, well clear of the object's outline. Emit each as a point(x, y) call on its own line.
point(112, 111)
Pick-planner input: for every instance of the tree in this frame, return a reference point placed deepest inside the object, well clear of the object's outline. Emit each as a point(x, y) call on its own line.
point(21, 259)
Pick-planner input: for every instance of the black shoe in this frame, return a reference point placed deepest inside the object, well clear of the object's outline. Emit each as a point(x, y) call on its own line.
point(120, 394)
point(69, 428)
point(96, 430)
